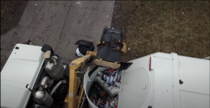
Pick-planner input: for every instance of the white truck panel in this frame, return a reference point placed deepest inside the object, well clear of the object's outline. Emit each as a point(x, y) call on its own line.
point(21, 68)
point(194, 92)
point(160, 87)
point(134, 97)
point(163, 83)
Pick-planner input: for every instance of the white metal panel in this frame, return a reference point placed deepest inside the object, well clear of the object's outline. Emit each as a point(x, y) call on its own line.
point(138, 64)
point(162, 55)
point(27, 52)
point(193, 100)
point(22, 71)
point(21, 68)
point(194, 92)
point(163, 96)
point(176, 79)
point(135, 87)
point(13, 94)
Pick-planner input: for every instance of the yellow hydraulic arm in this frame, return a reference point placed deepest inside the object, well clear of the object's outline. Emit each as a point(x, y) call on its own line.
point(72, 99)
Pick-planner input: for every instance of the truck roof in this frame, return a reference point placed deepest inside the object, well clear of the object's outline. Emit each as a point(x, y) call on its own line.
point(21, 68)
point(172, 82)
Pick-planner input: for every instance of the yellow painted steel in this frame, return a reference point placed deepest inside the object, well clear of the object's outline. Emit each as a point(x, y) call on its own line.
point(80, 97)
point(72, 100)
point(92, 53)
point(107, 64)
point(124, 48)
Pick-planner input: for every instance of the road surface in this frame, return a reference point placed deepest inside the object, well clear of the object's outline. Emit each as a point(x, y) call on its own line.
point(59, 24)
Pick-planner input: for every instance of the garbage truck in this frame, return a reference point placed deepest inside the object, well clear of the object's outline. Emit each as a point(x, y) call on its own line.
point(35, 77)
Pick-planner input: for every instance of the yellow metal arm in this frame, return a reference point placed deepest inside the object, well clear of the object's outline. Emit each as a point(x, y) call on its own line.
point(72, 99)
point(74, 81)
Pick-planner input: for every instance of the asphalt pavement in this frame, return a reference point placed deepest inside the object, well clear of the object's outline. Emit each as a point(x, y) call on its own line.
point(59, 24)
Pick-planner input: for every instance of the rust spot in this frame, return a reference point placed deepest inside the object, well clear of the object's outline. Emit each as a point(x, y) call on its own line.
point(181, 82)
